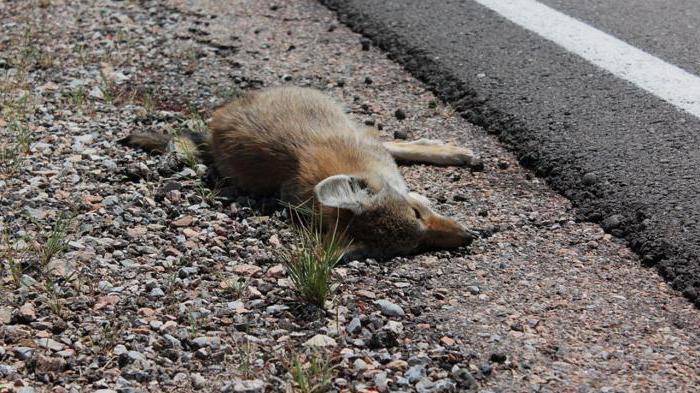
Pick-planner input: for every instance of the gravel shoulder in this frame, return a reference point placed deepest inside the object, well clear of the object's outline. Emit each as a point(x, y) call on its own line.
point(163, 284)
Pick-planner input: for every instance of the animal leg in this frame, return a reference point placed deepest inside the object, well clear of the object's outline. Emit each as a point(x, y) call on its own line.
point(430, 151)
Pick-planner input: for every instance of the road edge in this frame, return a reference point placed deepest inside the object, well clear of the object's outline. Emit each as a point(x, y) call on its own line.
point(515, 135)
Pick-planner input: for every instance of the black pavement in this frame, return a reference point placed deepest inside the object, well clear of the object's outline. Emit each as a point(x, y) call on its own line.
point(626, 158)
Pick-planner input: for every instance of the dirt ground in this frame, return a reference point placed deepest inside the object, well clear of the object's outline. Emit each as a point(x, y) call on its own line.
point(128, 272)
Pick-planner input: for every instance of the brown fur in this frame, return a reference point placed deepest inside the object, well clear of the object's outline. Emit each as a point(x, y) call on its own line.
point(299, 143)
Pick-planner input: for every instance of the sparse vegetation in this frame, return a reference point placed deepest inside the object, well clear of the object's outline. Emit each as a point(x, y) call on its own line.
point(11, 259)
point(55, 242)
point(311, 260)
point(312, 373)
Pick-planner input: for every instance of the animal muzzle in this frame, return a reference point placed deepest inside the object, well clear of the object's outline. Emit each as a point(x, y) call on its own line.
point(443, 233)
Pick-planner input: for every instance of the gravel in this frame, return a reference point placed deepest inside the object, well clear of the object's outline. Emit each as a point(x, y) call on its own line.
point(163, 285)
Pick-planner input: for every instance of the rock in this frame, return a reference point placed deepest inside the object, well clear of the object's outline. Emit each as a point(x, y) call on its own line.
point(419, 360)
point(198, 381)
point(246, 270)
point(276, 271)
point(359, 365)
point(383, 339)
point(320, 341)
point(447, 341)
point(390, 309)
point(397, 365)
point(380, 382)
point(183, 221)
point(400, 134)
point(415, 373)
point(394, 327)
point(366, 293)
point(96, 92)
point(252, 386)
point(211, 342)
point(498, 357)
point(23, 353)
point(486, 369)
point(7, 371)
point(276, 309)
point(612, 222)
point(5, 315)
point(156, 293)
point(355, 326)
point(474, 290)
point(442, 385)
point(365, 43)
point(27, 313)
point(49, 343)
point(589, 179)
point(464, 378)
point(400, 114)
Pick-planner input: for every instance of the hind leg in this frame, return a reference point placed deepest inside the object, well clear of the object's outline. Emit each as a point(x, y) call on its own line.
point(430, 151)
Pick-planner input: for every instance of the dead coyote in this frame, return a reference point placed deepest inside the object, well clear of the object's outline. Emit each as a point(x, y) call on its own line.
point(300, 144)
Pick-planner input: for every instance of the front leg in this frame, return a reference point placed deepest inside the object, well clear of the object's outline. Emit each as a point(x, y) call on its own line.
point(430, 151)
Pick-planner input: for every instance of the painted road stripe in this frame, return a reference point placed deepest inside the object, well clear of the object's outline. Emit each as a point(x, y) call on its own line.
point(652, 74)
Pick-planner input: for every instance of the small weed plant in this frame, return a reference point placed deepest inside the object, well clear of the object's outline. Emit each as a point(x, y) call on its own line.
point(310, 261)
point(311, 375)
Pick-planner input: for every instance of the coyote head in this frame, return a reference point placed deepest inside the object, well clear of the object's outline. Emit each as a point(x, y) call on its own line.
point(383, 220)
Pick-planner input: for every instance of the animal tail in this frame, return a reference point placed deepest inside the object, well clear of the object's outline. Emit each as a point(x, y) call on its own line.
point(186, 146)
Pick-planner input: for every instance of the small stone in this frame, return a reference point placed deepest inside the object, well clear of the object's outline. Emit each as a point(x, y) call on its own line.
point(503, 165)
point(415, 373)
point(184, 221)
point(253, 386)
point(276, 271)
point(5, 315)
point(400, 114)
point(355, 326)
point(612, 222)
point(198, 381)
point(366, 293)
point(359, 365)
point(27, 313)
point(320, 341)
point(365, 42)
point(49, 343)
point(23, 353)
point(442, 385)
point(474, 290)
point(486, 369)
point(398, 365)
point(464, 378)
point(7, 371)
point(447, 341)
point(390, 309)
point(589, 179)
point(498, 357)
point(368, 81)
point(383, 339)
point(156, 293)
point(394, 327)
point(381, 382)
point(400, 134)
point(246, 270)
point(204, 341)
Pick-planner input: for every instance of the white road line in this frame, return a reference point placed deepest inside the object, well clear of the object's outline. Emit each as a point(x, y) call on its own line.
point(652, 74)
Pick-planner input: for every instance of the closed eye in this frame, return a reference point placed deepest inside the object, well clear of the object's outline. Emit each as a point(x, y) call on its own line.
point(417, 213)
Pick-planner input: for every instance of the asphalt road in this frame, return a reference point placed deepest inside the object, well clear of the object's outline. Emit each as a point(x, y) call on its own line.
point(626, 158)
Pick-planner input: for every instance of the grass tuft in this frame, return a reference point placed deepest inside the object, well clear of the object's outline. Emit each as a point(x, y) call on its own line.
point(313, 375)
point(311, 260)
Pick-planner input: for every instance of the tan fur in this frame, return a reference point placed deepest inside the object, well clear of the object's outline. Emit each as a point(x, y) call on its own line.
point(298, 142)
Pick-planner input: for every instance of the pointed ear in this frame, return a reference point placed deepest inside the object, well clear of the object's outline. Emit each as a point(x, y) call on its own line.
point(344, 192)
